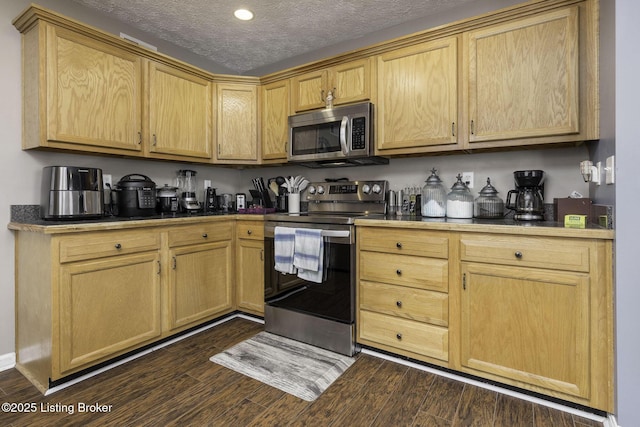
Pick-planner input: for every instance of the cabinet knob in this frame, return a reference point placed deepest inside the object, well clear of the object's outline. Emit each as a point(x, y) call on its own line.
point(399, 245)
point(399, 304)
point(249, 231)
point(205, 235)
point(399, 336)
point(399, 272)
point(518, 254)
point(118, 246)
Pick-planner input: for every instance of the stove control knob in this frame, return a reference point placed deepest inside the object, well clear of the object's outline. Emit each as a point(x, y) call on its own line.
point(320, 189)
point(366, 189)
point(376, 189)
point(312, 189)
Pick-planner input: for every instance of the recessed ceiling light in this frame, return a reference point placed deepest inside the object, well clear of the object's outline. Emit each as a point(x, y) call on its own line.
point(243, 14)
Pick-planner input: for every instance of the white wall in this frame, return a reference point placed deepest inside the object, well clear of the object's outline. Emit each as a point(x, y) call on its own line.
point(627, 15)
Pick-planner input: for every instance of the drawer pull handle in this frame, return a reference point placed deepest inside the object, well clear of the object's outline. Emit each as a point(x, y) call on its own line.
point(205, 235)
point(518, 254)
point(399, 304)
point(248, 231)
point(118, 246)
point(399, 245)
point(399, 272)
point(399, 336)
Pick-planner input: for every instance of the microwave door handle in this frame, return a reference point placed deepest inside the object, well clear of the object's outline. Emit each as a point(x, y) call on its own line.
point(343, 135)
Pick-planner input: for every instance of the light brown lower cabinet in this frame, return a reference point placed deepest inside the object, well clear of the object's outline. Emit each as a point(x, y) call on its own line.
point(84, 297)
point(250, 267)
point(403, 292)
point(530, 311)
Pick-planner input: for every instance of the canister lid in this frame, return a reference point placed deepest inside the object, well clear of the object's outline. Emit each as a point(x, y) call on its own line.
point(488, 190)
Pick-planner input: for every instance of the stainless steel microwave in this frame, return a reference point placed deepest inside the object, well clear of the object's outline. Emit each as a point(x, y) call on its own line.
point(333, 137)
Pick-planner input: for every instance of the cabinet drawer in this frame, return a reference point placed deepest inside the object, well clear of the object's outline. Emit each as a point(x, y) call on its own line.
point(410, 303)
point(110, 243)
point(253, 230)
point(200, 233)
point(413, 271)
point(409, 335)
point(550, 253)
point(407, 242)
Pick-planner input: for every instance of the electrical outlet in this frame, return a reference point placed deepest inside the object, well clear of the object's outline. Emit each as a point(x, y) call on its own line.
point(106, 181)
point(207, 183)
point(467, 178)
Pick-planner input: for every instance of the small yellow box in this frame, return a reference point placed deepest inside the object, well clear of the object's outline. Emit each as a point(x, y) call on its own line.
point(575, 221)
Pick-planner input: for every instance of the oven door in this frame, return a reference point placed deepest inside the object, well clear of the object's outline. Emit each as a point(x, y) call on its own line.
point(333, 299)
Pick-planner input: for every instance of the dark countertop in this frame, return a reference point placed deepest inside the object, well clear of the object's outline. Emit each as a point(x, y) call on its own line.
point(503, 225)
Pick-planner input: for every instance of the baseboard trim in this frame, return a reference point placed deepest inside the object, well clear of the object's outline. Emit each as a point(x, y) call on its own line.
point(605, 420)
point(7, 361)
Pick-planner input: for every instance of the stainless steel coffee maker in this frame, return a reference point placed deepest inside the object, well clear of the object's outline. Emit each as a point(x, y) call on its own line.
point(529, 195)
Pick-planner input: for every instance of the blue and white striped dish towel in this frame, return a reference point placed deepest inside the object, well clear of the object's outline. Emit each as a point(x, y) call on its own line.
point(284, 244)
point(308, 255)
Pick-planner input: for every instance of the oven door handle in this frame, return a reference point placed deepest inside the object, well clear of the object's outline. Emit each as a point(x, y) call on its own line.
point(336, 233)
point(343, 135)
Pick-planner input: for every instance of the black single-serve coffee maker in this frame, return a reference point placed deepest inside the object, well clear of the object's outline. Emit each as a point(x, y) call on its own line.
point(529, 195)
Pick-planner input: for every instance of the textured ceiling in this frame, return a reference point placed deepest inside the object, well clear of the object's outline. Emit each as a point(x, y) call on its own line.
point(280, 30)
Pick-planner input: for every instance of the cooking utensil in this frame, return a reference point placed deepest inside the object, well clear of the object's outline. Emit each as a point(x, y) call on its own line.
point(273, 186)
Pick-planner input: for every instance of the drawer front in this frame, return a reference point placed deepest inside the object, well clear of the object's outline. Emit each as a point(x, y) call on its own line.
point(253, 230)
point(413, 271)
point(200, 233)
point(409, 335)
point(410, 303)
point(549, 253)
point(407, 242)
point(106, 244)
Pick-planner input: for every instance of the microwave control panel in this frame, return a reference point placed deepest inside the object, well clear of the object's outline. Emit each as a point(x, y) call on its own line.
point(358, 133)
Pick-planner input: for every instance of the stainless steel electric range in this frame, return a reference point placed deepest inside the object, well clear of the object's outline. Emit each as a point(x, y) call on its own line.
point(321, 314)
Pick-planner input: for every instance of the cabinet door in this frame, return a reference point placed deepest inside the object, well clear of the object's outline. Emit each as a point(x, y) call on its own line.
point(528, 325)
point(237, 122)
point(250, 274)
point(309, 90)
point(351, 82)
point(200, 282)
point(275, 120)
point(418, 97)
point(524, 78)
point(93, 94)
point(106, 308)
point(179, 113)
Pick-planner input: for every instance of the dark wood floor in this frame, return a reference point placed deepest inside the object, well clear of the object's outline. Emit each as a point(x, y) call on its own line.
point(178, 385)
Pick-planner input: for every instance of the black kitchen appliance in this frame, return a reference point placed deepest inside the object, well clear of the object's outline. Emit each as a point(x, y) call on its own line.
point(210, 200)
point(70, 192)
point(136, 196)
point(167, 199)
point(529, 195)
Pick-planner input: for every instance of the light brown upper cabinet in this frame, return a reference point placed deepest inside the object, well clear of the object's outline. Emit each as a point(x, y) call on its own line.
point(79, 93)
point(348, 82)
point(275, 120)
point(417, 98)
point(237, 123)
point(180, 113)
point(524, 80)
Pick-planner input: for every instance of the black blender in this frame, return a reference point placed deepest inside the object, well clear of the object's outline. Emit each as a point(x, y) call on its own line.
point(529, 202)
